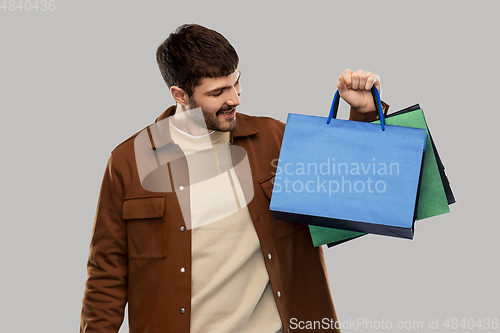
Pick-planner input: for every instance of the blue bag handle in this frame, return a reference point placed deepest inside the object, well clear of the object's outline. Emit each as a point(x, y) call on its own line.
point(376, 99)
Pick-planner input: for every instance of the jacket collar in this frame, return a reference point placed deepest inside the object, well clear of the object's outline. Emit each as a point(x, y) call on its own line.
point(242, 128)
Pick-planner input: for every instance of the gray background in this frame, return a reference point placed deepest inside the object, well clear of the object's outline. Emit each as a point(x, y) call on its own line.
point(77, 81)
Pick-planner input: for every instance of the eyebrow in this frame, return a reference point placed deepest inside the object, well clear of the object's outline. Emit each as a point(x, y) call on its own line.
point(222, 88)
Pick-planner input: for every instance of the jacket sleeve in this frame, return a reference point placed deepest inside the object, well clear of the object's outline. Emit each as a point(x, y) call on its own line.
point(105, 294)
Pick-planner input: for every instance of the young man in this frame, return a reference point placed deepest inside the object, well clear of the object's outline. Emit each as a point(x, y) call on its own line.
point(189, 242)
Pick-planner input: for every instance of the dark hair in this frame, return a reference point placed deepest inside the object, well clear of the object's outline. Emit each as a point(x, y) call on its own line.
point(192, 53)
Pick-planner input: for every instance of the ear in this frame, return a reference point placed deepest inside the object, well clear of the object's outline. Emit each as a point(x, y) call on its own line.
point(179, 95)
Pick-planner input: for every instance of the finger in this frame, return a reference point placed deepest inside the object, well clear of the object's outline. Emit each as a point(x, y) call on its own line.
point(356, 76)
point(348, 78)
point(370, 79)
point(341, 85)
point(374, 80)
point(363, 79)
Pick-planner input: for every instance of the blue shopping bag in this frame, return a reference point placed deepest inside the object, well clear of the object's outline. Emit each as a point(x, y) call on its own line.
point(349, 175)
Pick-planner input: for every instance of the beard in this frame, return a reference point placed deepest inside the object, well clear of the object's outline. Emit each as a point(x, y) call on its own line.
point(212, 121)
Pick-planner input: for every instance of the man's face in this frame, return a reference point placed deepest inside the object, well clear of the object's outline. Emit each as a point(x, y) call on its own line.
point(218, 99)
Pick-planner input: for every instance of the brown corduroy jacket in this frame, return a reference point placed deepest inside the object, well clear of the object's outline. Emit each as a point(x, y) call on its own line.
point(140, 243)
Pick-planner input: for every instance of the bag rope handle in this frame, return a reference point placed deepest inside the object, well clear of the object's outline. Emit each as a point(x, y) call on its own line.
point(376, 99)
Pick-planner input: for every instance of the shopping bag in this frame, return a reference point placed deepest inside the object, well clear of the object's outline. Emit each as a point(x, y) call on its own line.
point(349, 175)
point(444, 179)
point(435, 192)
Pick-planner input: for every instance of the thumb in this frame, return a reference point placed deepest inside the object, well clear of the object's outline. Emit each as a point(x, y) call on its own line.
point(341, 85)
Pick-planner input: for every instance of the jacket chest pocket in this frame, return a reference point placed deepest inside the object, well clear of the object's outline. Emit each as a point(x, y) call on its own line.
point(146, 228)
point(283, 228)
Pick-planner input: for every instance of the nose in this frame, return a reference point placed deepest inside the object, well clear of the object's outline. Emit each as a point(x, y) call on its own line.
point(234, 97)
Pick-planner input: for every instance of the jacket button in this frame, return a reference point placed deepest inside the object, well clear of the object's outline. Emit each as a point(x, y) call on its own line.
point(183, 310)
point(278, 294)
point(269, 256)
point(183, 228)
point(183, 269)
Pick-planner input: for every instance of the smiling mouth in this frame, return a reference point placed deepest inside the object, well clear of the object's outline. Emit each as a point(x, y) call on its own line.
point(228, 112)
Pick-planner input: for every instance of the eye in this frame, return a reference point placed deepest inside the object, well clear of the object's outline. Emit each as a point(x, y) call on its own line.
point(217, 94)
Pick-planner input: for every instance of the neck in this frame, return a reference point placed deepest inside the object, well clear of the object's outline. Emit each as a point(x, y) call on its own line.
point(183, 120)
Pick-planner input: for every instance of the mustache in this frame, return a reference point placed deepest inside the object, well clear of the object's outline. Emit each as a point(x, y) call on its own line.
point(223, 109)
